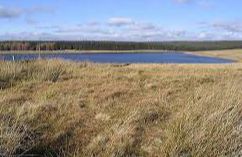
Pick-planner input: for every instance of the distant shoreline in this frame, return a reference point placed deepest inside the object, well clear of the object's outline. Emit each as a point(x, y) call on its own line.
point(86, 51)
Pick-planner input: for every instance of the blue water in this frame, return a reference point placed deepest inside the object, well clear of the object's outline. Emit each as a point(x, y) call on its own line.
point(168, 57)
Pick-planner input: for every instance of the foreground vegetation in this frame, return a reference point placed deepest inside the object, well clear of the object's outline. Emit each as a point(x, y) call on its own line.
point(57, 108)
point(117, 45)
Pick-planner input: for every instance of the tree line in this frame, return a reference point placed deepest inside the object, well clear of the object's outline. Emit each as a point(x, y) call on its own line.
point(116, 45)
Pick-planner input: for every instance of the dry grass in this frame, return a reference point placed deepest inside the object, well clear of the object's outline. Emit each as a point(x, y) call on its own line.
point(235, 54)
point(57, 108)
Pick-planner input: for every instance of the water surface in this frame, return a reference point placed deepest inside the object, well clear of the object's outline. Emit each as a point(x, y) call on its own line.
point(167, 57)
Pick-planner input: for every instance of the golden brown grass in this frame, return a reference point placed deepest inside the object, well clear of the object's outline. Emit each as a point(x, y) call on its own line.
point(235, 54)
point(57, 108)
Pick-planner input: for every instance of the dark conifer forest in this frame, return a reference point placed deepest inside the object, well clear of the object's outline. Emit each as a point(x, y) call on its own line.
point(117, 45)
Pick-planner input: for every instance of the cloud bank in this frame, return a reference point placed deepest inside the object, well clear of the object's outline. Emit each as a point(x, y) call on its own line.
point(128, 29)
point(115, 28)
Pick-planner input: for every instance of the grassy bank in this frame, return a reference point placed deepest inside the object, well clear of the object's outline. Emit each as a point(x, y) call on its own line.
point(235, 54)
point(57, 108)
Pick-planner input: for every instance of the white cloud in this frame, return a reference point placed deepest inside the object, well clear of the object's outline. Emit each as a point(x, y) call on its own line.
point(27, 13)
point(82, 29)
point(7, 13)
point(182, 1)
point(205, 4)
point(220, 30)
point(129, 30)
point(27, 36)
point(141, 26)
point(233, 27)
point(120, 21)
point(93, 23)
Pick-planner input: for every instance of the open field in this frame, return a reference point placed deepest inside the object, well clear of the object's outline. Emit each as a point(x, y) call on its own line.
point(235, 54)
point(59, 108)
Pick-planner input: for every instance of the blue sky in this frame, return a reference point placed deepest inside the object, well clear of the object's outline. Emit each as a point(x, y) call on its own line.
point(136, 20)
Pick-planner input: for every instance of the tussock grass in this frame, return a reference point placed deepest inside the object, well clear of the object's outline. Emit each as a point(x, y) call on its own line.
point(16, 136)
point(12, 73)
point(208, 124)
point(57, 108)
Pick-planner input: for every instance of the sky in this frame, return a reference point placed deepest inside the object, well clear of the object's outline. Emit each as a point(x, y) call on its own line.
point(121, 20)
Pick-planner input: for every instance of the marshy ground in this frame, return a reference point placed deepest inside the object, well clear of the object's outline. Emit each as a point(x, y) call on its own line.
point(60, 108)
